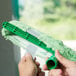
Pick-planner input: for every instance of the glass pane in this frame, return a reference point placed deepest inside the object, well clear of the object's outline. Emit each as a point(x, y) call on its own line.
point(53, 17)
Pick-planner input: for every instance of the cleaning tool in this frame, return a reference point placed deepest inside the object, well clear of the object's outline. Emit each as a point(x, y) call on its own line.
point(21, 34)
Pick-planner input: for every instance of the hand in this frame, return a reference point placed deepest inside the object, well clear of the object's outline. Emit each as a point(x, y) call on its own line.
point(65, 68)
point(29, 67)
point(40, 73)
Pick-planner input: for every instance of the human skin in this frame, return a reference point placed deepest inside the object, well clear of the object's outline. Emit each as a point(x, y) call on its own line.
point(29, 67)
point(65, 67)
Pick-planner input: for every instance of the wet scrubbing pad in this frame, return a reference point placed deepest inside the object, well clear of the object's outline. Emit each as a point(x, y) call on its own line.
point(13, 37)
point(44, 41)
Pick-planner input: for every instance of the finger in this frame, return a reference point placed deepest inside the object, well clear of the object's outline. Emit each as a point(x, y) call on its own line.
point(23, 59)
point(55, 72)
point(45, 67)
point(34, 59)
point(28, 57)
point(41, 74)
point(37, 63)
point(61, 59)
point(39, 69)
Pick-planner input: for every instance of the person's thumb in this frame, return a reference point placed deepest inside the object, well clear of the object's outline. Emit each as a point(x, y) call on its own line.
point(28, 57)
point(61, 59)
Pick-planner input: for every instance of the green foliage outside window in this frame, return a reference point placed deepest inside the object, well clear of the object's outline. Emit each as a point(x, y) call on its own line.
point(54, 17)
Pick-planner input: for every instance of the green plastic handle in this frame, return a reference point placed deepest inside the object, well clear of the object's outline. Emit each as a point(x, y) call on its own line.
point(52, 62)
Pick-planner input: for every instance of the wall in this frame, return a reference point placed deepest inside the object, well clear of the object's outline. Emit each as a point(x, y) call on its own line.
point(8, 65)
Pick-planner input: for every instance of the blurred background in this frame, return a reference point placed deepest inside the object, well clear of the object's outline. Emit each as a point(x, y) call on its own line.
point(57, 18)
point(53, 17)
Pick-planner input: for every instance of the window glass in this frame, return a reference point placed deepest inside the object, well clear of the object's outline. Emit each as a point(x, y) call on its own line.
point(53, 17)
